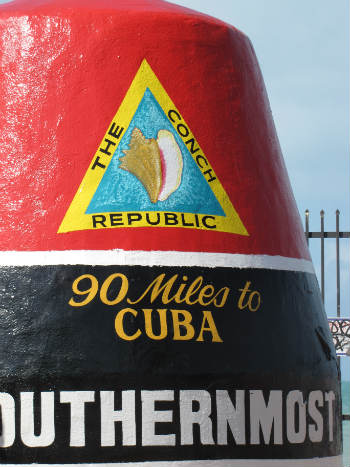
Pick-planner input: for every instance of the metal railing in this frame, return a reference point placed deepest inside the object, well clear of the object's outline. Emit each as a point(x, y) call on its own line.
point(322, 235)
point(335, 324)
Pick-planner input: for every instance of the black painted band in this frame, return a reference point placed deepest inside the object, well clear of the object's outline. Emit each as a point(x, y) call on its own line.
point(248, 350)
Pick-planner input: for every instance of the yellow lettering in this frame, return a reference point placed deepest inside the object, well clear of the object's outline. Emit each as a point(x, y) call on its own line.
point(225, 291)
point(204, 294)
point(258, 301)
point(244, 291)
point(122, 291)
point(184, 323)
point(163, 324)
point(156, 288)
point(90, 292)
point(193, 289)
point(119, 325)
point(177, 296)
point(208, 319)
point(249, 301)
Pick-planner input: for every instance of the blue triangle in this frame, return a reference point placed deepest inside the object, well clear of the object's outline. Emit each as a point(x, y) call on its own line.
point(121, 191)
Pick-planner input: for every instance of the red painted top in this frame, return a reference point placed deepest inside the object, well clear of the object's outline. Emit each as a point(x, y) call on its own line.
point(66, 66)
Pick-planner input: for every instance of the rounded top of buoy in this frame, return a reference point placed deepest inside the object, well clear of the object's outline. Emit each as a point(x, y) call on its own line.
point(79, 79)
point(130, 6)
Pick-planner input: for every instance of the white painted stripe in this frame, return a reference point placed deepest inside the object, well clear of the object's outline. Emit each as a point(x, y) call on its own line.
point(315, 462)
point(153, 258)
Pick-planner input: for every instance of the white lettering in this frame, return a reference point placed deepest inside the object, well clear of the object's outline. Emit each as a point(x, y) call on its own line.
point(77, 400)
point(229, 415)
point(7, 405)
point(47, 432)
point(201, 417)
point(150, 417)
point(127, 416)
point(265, 416)
point(295, 402)
point(330, 397)
point(170, 418)
point(315, 429)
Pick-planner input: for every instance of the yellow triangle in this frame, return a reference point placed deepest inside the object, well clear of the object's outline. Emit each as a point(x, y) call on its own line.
point(76, 217)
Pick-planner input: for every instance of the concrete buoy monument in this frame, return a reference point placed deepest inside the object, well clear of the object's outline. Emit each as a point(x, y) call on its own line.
point(158, 302)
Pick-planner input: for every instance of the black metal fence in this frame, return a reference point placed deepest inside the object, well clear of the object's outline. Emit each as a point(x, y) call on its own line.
point(322, 235)
point(339, 326)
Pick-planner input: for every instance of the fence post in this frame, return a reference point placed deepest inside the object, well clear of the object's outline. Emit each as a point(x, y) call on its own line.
point(337, 212)
point(307, 226)
point(322, 254)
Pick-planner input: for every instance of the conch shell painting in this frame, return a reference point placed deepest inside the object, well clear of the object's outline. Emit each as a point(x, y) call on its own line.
point(156, 163)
